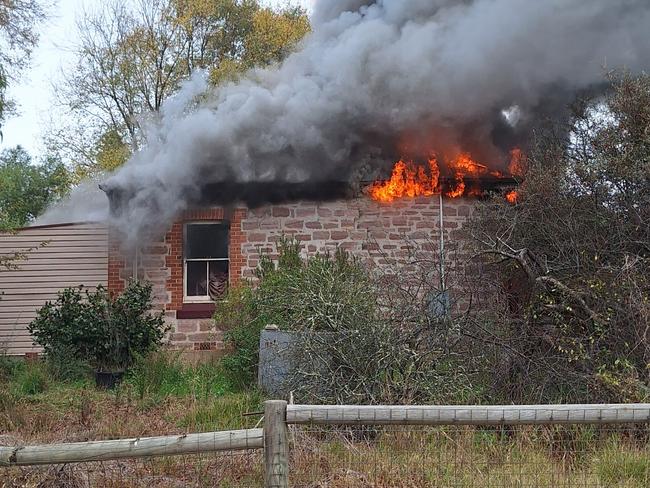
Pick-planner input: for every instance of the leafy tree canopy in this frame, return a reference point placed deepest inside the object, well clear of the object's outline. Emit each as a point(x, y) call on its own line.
point(26, 189)
point(131, 58)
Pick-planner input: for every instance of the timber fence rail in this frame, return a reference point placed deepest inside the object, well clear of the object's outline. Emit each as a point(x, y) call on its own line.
point(468, 414)
point(381, 446)
point(84, 452)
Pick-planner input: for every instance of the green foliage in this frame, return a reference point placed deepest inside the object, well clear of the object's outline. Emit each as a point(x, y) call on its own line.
point(223, 413)
point(160, 375)
point(618, 466)
point(32, 379)
point(65, 366)
point(349, 348)
point(26, 189)
point(107, 332)
point(10, 366)
point(323, 293)
point(238, 315)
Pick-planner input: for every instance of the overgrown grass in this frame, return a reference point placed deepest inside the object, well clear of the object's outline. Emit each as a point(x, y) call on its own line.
point(162, 396)
point(467, 457)
point(162, 375)
point(225, 413)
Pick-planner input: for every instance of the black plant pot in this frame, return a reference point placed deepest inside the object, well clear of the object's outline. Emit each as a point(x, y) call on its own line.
point(108, 380)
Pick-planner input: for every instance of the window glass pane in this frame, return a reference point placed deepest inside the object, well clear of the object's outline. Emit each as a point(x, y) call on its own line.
point(218, 279)
point(197, 275)
point(206, 241)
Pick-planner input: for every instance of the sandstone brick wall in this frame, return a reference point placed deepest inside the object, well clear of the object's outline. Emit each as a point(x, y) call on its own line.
point(373, 231)
point(370, 230)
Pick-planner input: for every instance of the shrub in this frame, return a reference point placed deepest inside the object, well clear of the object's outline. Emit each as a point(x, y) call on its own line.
point(323, 293)
point(239, 317)
point(107, 332)
point(353, 345)
point(573, 260)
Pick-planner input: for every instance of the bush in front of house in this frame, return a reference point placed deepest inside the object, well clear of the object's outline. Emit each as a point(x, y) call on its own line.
point(106, 332)
point(349, 347)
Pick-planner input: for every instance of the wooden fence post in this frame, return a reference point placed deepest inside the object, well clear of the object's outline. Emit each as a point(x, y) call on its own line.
point(276, 444)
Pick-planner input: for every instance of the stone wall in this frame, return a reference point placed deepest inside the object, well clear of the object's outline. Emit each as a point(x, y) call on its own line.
point(373, 231)
point(377, 232)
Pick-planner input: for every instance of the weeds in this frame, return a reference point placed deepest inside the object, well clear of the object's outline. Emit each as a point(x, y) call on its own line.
point(227, 412)
point(162, 375)
point(31, 379)
point(619, 466)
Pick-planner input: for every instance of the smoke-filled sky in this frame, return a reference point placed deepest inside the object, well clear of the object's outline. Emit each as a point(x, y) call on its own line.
point(377, 79)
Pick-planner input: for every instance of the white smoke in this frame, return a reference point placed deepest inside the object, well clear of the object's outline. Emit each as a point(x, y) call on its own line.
point(372, 73)
point(86, 203)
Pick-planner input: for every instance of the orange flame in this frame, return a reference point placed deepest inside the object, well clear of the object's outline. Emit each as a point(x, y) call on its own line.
point(512, 196)
point(407, 180)
point(412, 180)
point(517, 165)
point(464, 166)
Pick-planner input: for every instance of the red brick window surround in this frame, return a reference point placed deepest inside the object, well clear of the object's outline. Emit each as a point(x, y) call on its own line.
point(174, 259)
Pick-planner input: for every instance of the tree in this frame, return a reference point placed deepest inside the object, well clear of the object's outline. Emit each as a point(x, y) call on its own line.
point(107, 154)
point(131, 58)
point(27, 189)
point(17, 39)
point(574, 256)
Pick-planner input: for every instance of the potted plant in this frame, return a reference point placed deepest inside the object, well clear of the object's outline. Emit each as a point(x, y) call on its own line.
point(107, 332)
point(110, 356)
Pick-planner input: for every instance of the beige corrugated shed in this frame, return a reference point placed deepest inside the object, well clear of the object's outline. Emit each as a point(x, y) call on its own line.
point(61, 256)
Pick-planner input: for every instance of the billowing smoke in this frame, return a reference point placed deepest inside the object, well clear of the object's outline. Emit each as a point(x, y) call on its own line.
point(376, 79)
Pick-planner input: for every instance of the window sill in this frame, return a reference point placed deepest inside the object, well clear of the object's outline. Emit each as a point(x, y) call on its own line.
point(203, 310)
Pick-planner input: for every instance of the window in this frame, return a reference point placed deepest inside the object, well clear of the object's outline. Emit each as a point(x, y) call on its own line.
point(206, 261)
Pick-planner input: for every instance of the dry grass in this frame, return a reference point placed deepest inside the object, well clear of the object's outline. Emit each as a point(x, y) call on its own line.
point(321, 458)
point(469, 457)
point(74, 415)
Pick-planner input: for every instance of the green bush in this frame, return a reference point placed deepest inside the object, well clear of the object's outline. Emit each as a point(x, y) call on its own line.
point(239, 317)
point(93, 327)
point(359, 342)
point(323, 293)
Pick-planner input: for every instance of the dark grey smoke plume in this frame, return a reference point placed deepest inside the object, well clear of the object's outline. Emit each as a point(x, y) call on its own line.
point(376, 80)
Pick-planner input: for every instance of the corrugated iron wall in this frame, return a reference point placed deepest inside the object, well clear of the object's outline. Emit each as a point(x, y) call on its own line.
point(61, 256)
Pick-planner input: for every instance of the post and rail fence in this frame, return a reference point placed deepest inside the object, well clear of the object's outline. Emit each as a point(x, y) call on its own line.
point(278, 437)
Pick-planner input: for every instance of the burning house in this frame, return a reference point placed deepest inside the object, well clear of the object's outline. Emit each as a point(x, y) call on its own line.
point(218, 241)
point(307, 147)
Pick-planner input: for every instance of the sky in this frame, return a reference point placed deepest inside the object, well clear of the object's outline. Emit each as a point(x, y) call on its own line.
point(33, 90)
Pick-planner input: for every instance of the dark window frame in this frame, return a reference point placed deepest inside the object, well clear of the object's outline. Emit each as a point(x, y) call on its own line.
point(203, 298)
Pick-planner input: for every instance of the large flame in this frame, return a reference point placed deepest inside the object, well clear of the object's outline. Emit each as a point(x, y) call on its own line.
point(408, 180)
point(413, 180)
